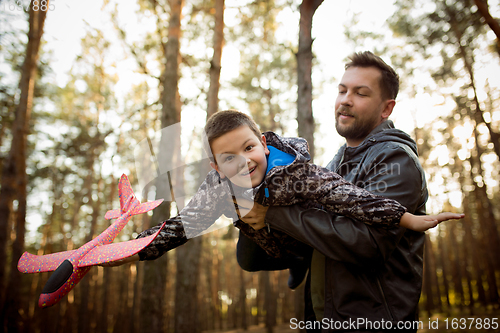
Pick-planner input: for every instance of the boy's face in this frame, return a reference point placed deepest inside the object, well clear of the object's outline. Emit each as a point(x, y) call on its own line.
point(241, 157)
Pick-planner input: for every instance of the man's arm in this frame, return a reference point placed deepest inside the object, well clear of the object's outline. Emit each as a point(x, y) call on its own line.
point(393, 174)
point(252, 258)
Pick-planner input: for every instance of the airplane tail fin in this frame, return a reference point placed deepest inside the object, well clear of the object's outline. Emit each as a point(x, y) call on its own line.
point(146, 206)
point(124, 192)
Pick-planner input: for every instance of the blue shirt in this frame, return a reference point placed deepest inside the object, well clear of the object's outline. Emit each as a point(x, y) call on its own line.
point(278, 158)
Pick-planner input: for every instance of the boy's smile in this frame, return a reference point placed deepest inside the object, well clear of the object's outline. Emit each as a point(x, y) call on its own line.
point(241, 156)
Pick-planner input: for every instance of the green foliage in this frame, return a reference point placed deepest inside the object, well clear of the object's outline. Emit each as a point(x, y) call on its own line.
point(267, 79)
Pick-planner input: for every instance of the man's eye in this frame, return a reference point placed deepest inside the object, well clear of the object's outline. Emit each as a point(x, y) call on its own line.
point(342, 92)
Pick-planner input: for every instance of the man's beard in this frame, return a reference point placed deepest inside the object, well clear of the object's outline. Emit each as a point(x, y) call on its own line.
point(358, 130)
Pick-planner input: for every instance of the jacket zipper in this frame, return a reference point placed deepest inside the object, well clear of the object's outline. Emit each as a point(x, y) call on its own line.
point(384, 299)
point(340, 163)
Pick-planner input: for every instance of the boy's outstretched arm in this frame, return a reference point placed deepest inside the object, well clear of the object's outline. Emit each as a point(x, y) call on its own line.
point(425, 222)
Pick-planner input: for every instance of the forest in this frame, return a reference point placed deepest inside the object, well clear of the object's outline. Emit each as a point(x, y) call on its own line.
point(84, 84)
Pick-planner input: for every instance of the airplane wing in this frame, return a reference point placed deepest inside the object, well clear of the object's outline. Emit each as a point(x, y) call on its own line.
point(113, 214)
point(146, 206)
point(31, 263)
point(116, 251)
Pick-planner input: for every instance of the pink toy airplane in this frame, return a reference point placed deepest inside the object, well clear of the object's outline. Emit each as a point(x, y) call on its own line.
point(71, 266)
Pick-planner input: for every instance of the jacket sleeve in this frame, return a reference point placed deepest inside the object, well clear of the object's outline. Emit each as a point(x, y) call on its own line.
point(394, 173)
point(339, 196)
point(211, 201)
point(171, 236)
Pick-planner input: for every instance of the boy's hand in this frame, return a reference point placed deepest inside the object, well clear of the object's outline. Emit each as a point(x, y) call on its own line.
point(424, 222)
point(448, 216)
point(254, 217)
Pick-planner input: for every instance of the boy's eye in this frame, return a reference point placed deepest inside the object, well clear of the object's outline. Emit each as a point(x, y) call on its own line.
point(249, 147)
point(229, 158)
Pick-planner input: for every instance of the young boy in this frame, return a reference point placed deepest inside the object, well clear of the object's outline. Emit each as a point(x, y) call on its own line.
point(270, 170)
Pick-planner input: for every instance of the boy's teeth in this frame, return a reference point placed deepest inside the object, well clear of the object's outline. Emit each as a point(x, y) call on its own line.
point(249, 171)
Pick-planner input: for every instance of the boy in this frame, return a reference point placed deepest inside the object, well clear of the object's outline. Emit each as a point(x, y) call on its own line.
point(270, 170)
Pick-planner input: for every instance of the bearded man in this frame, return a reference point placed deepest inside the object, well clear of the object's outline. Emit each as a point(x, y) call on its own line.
point(361, 278)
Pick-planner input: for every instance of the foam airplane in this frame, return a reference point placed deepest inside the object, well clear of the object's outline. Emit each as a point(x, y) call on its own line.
point(71, 266)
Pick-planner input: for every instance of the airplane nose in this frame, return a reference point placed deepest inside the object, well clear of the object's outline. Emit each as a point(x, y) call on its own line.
point(55, 281)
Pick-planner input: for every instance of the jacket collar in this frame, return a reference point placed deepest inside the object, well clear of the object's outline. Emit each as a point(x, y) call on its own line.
point(388, 124)
point(383, 132)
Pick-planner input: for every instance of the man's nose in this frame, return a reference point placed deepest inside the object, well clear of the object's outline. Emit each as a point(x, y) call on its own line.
point(346, 99)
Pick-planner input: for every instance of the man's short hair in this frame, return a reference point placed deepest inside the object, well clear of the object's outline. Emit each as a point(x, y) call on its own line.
point(389, 80)
point(223, 122)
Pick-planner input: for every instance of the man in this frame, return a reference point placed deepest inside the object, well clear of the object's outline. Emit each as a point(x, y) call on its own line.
point(362, 278)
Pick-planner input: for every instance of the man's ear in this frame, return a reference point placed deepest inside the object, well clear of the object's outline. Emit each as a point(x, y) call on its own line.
point(214, 166)
point(389, 106)
point(263, 141)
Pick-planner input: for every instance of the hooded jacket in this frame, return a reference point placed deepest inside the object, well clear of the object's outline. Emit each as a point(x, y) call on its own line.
point(374, 274)
point(290, 180)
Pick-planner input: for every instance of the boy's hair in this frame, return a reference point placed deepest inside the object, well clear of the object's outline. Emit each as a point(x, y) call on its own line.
point(389, 80)
point(223, 122)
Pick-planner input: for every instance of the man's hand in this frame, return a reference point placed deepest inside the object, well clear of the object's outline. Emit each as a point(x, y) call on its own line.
point(253, 217)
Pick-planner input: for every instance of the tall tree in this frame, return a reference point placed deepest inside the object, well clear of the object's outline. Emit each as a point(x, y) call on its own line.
point(453, 40)
point(267, 73)
point(212, 107)
point(482, 6)
point(155, 273)
point(14, 178)
point(215, 64)
point(305, 118)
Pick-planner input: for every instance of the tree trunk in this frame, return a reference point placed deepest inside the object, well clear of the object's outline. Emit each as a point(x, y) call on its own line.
point(155, 273)
point(269, 301)
point(468, 60)
point(195, 245)
point(243, 300)
point(304, 57)
point(486, 239)
point(84, 313)
point(487, 217)
point(214, 285)
point(466, 273)
point(472, 244)
point(444, 267)
point(431, 285)
point(215, 64)
point(455, 265)
point(14, 178)
point(482, 6)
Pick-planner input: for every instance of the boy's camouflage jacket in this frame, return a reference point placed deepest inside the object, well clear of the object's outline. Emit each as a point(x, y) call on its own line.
point(297, 183)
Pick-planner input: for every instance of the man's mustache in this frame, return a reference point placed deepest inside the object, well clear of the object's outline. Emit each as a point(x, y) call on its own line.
point(344, 110)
